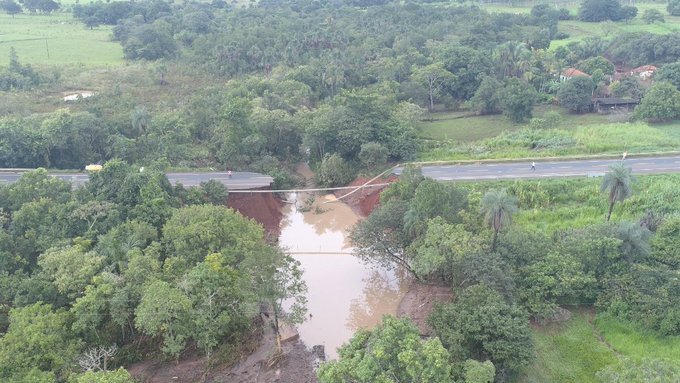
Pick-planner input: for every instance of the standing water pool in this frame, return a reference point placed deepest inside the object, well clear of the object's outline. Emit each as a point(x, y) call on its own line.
point(343, 293)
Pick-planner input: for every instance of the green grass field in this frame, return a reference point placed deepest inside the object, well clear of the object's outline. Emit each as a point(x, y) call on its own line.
point(568, 353)
point(549, 205)
point(636, 343)
point(572, 352)
point(456, 126)
point(451, 137)
point(66, 39)
point(577, 30)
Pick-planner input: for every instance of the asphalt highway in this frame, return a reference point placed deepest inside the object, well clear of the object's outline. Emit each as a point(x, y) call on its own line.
point(471, 171)
point(546, 168)
point(238, 181)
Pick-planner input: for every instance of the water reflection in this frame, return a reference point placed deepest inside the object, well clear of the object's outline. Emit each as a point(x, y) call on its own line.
point(382, 293)
point(344, 294)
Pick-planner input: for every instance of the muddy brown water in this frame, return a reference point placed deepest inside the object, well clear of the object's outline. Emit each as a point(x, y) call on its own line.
point(343, 293)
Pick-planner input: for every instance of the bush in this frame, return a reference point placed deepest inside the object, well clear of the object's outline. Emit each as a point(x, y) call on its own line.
point(576, 93)
point(373, 154)
point(334, 171)
point(564, 14)
point(534, 139)
point(661, 103)
point(601, 10)
point(561, 36)
point(653, 15)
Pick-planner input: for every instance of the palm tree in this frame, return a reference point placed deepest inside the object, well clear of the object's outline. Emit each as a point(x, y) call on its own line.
point(140, 119)
point(618, 183)
point(498, 207)
point(634, 240)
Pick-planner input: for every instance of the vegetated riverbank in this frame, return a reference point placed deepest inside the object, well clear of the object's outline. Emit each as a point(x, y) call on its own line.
point(259, 363)
point(420, 298)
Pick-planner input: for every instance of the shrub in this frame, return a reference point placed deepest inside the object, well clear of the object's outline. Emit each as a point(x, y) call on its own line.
point(334, 171)
point(653, 15)
point(561, 36)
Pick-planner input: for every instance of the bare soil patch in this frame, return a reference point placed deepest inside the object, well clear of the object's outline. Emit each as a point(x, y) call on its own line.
point(419, 301)
point(295, 364)
point(364, 201)
point(264, 208)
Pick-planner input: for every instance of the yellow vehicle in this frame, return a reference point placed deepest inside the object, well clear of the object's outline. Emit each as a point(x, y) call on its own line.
point(93, 168)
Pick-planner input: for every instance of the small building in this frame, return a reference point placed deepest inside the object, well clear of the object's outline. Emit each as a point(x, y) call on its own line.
point(645, 72)
point(570, 73)
point(607, 105)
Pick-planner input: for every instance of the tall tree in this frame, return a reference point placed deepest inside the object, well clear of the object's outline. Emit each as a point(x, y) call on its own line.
point(486, 99)
point(38, 343)
point(380, 239)
point(618, 185)
point(283, 283)
point(164, 311)
point(392, 352)
point(661, 103)
point(517, 100)
point(498, 207)
point(435, 77)
point(217, 301)
point(480, 325)
point(576, 94)
point(10, 6)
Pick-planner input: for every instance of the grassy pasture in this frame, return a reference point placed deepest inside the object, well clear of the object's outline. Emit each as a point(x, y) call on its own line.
point(464, 127)
point(549, 205)
point(637, 343)
point(67, 40)
point(577, 30)
point(567, 353)
point(451, 137)
point(572, 352)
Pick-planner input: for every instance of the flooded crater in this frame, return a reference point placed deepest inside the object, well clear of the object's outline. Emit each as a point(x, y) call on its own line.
point(343, 293)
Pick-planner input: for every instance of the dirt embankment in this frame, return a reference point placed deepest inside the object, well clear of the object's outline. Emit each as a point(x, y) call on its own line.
point(419, 301)
point(259, 364)
point(365, 200)
point(264, 208)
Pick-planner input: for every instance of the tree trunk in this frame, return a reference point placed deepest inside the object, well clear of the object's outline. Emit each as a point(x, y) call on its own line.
point(611, 207)
point(276, 327)
point(495, 238)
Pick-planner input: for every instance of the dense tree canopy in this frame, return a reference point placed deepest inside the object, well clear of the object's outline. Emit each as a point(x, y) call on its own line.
point(600, 10)
point(10, 6)
point(117, 262)
point(576, 94)
point(391, 352)
point(661, 103)
point(669, 73)
point(481, 326)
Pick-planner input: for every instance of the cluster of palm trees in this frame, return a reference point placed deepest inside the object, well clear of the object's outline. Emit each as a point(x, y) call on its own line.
point(498, 206)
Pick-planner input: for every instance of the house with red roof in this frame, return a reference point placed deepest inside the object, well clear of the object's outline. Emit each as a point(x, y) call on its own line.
point(645, 72)
point(570, 73)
